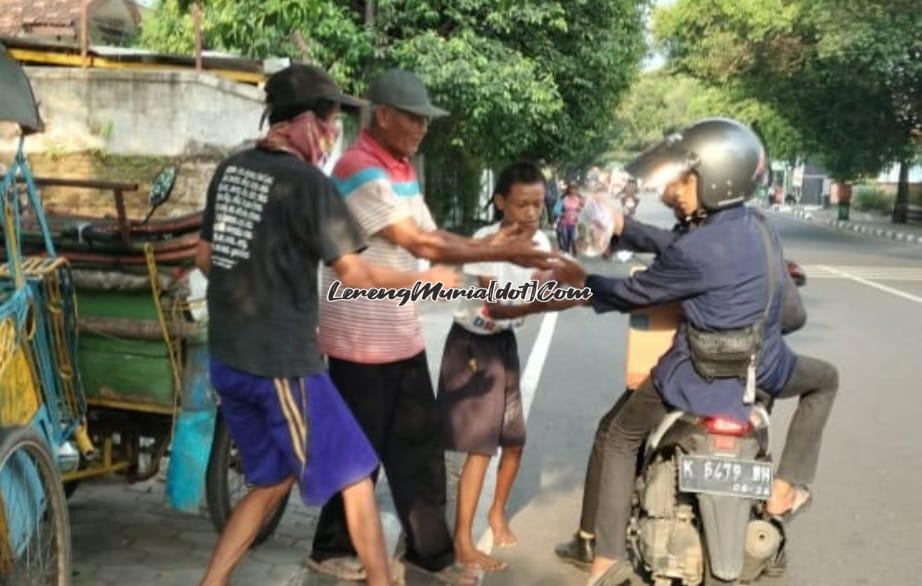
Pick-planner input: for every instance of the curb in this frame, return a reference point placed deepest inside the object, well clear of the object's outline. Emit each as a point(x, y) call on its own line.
point(886, 233)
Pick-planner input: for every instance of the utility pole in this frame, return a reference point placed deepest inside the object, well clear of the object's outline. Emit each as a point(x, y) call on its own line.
point(365, 115)
point(370, 13)
point(84, 33)
point(197, 25)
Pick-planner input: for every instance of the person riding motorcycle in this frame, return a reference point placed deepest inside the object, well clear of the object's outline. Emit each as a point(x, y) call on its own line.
point(628, 198)
point(633, 236)
point(722, 272)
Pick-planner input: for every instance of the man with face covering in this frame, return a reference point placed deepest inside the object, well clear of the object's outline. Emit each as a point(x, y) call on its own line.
point(271, 217)
point(376, 349)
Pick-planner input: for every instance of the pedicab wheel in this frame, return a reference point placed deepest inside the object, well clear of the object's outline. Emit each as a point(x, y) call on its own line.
point(34, 524)
point(225, 485)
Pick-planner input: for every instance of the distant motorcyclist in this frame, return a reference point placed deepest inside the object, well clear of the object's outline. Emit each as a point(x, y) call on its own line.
point(726, 273)
point(628, 198)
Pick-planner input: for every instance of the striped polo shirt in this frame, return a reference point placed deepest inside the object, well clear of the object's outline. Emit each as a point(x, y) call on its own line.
point(379, 189)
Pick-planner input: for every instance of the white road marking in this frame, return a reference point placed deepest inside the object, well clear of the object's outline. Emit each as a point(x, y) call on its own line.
point(529, 386)
point(869, 283)
point(871, 273)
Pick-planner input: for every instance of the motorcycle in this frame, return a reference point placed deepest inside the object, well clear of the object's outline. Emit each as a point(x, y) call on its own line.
point(695, 517)
point(629, 205)
point(696, 509)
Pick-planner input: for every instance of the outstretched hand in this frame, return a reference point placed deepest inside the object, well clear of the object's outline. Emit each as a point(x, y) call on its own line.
point(509, 234)
point(524, 254)
point(446, 275)
point(617, 222)
point(568, 270)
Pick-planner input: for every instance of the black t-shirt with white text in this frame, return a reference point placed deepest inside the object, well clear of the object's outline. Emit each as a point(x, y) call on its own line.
point(270, 219)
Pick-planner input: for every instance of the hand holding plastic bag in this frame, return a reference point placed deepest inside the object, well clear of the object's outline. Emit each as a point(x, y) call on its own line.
point(594, 227)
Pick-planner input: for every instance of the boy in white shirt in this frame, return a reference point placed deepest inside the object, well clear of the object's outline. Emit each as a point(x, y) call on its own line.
point(478, 391)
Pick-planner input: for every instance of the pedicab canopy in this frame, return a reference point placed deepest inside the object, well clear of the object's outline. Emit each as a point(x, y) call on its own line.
point(17, 102)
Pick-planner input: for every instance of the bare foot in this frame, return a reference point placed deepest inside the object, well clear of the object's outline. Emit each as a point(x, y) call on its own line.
point(474, 558)
point(503, 537)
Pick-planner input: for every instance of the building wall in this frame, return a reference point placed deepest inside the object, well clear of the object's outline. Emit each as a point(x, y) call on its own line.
point(125, 126)
point(155, 113)
point(188, 194)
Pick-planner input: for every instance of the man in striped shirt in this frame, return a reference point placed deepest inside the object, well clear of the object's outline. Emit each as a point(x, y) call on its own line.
point(375, 347)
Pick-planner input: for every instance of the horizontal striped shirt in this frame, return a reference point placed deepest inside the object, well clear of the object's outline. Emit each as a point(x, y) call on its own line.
point(379, 190)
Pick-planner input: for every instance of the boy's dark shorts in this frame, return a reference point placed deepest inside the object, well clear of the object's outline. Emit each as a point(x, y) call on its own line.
point(478, 395)
point(299, 427)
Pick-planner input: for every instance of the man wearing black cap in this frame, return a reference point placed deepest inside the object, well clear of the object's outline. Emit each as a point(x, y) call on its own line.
point(376, 348)
point(271, 217)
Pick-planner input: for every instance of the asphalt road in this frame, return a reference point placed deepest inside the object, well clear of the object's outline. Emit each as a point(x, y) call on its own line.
point(864, 303)
point(864, 299)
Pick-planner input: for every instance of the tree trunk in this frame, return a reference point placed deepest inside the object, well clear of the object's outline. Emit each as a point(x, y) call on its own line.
point(901, 205)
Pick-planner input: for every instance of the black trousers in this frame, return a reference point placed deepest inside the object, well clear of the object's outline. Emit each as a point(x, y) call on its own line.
point(395, 406)
point(815, 383)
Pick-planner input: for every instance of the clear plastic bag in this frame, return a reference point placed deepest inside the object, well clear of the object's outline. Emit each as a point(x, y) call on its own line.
point(594, 227)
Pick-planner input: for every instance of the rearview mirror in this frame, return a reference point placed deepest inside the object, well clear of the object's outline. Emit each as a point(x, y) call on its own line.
point(161, 189)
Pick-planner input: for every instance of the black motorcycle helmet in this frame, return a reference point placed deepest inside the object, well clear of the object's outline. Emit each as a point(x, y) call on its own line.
point(727, 156)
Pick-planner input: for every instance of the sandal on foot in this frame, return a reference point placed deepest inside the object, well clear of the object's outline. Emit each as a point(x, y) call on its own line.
point(397, 572)
point(618, 574)
point(802, 501)
point(346, 568)
point(455, 574)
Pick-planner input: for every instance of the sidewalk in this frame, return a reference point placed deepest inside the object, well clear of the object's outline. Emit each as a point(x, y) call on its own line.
point(860, 222)
point(126, 534)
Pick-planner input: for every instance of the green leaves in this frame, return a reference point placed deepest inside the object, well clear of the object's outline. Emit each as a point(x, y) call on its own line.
point(535, 78)
point(844, 73)
point(334, 34)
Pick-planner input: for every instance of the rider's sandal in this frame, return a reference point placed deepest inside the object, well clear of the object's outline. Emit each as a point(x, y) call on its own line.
point(802, 501)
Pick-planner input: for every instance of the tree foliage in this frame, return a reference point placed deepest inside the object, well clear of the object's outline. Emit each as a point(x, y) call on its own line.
point(662, 101)
point(258, 29)
point(844, 73)
point(536, 78)
point(520, 78)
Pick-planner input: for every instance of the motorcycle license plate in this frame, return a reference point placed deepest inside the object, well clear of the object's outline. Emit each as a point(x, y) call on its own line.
point(725, 476)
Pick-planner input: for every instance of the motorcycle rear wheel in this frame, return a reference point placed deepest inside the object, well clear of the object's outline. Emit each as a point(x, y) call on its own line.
point(712, 580)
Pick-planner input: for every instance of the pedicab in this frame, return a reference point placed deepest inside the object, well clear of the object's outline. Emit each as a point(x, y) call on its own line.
point(134, 375)
point(41, 407)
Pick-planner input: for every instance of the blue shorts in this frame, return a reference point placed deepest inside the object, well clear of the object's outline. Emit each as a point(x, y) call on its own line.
point(293, 427)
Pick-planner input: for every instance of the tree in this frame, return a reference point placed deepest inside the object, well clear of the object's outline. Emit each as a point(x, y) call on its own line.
point(844, 73)
point(662, 101)
point(536, 79)
point(266, 28)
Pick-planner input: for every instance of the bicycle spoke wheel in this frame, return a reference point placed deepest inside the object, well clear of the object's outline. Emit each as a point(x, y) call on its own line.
point(34, 524)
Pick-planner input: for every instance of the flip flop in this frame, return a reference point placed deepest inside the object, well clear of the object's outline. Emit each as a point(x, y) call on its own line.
point(347, 568)
point(617, 574)
point(803, 499)
point(455, 574)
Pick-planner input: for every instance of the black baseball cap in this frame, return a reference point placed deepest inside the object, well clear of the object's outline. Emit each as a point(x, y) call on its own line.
point(405, 91)
point(291, 90)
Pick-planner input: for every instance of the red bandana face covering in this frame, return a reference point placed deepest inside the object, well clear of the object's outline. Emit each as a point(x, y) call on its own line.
point(306, 136)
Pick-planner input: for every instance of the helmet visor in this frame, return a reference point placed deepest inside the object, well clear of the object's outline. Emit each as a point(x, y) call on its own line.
point(661, 164)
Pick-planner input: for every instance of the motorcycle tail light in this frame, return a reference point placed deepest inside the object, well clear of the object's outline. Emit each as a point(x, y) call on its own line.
point(722, 426)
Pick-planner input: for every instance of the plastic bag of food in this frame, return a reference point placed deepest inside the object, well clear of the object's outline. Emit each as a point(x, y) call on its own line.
point(594, 227)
